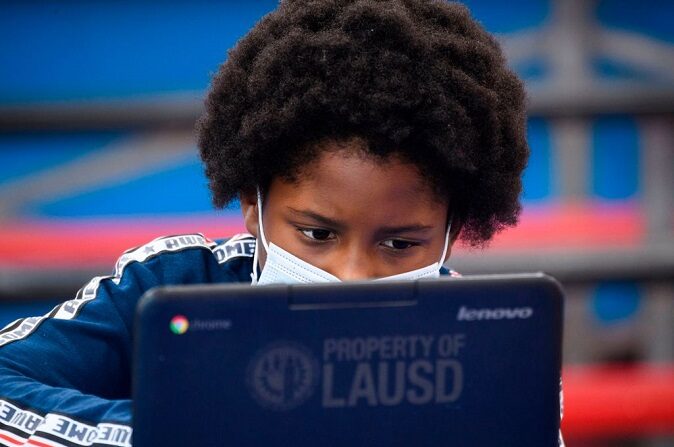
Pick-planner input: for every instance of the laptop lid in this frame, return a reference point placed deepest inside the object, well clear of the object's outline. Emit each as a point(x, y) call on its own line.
point(456, 361)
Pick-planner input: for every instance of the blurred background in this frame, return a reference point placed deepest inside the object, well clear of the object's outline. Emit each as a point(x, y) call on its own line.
point(97, 154)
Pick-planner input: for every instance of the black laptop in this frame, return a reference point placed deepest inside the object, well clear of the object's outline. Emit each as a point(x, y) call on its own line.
point(472, 361)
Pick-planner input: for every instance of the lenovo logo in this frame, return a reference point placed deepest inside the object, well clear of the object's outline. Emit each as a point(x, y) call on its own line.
point(498, 313)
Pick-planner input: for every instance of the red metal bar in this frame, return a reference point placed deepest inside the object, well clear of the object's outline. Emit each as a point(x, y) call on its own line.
point(614, 400)
point(85, 242)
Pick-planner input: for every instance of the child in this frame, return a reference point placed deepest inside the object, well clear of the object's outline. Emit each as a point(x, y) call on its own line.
point(363, 138)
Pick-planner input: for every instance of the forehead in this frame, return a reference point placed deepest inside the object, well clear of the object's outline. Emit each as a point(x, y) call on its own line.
point(348, 183)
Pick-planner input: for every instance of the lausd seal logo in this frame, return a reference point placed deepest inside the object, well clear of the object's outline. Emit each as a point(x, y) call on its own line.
point(282, 375)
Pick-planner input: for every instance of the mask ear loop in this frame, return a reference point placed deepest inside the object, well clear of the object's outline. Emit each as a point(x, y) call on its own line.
point(260, 230)
point(444, 250)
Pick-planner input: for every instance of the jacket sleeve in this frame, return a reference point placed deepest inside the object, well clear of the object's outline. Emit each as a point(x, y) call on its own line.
point(65, 377)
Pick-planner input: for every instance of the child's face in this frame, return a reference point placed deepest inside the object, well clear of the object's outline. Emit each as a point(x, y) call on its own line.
point(354, 217)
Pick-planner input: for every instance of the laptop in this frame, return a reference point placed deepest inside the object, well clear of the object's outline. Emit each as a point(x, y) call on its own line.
point(472, 361)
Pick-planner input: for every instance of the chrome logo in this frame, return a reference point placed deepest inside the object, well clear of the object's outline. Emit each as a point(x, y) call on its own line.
point(179, 325)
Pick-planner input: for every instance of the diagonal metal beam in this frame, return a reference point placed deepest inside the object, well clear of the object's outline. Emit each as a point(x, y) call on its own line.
point(637, 50)
point(120, 161)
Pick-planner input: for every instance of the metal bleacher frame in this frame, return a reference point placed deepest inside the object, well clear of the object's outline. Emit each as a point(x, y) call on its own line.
point(568, 100)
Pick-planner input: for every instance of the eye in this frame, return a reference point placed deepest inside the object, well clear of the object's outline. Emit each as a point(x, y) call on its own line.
point(317, 234)
point(398, 244)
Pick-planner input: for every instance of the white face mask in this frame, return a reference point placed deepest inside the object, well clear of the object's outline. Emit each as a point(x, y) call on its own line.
point(282, 267)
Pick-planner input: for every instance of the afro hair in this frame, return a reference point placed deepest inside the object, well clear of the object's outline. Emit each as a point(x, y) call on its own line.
point(419, 79)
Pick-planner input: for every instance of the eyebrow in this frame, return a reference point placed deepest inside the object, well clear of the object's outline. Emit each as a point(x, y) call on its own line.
point(317, 217)
point(414, 228)
point(333, 223)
